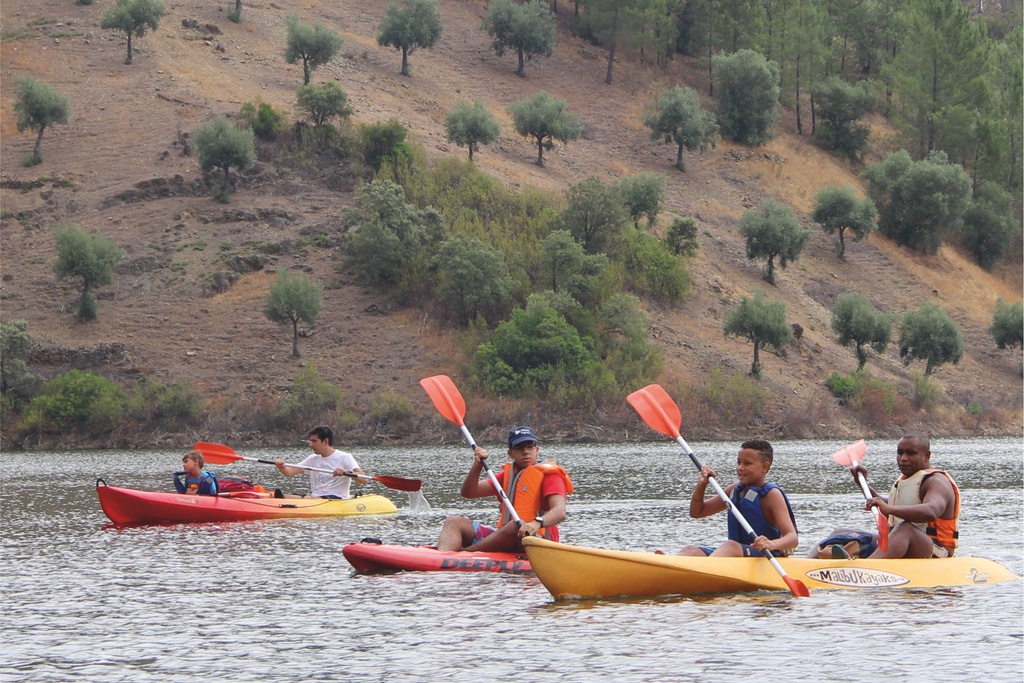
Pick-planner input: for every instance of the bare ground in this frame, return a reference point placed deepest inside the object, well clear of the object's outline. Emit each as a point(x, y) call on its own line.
point(120, 169)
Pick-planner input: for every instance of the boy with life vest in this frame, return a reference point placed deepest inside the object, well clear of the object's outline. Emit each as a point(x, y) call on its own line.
point(536, 489)
point(197, 481)
point(763, 504)
point(923, 509)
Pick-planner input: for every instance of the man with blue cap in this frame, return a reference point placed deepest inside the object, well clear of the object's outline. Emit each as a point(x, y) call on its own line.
point(537, 490)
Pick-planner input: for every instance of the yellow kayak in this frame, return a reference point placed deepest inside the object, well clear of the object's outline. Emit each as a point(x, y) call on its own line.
point(570, 572)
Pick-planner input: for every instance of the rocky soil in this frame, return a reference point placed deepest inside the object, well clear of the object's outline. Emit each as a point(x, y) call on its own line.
point(178, 312)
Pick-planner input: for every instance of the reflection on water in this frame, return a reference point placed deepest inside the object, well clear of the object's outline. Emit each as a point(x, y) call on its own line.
point(277, 601)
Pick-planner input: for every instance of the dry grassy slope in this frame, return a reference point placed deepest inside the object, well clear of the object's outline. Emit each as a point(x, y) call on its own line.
point(126, 121)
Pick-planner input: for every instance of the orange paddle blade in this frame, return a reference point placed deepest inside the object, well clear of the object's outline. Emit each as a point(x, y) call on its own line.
point(797, 587)
point(218, 454)
point(446, 397)
point(657, 409)
point(399, 483)
point(851, 454)
point(883, 530)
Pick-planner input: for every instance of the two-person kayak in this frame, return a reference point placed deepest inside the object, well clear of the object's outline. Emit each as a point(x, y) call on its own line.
point(573, 572)
point(130, 506)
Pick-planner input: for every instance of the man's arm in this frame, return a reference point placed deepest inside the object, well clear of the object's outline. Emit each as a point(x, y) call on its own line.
point(179, 485)
point(287, 470)
point(473, 486)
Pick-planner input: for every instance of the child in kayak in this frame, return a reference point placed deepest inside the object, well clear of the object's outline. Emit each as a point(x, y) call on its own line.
point(537, 490)
point(197, 481)
point(763, 504)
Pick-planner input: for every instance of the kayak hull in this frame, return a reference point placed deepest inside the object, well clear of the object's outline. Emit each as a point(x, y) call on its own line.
point(130, 506)
point(369, 558)
point(575, 572)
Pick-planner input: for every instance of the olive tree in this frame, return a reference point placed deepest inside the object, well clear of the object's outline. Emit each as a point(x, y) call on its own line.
point(839, 107)
point(529, 29)
point(223, 145)
point(472, 280)
point(39, 106)
point(409, 25)
point(544, 118)
point(323, 102)
point(562, 266)
point(855, 321)
point(643, 195)
point(676, 117)
point(471, 125)
point(773, 233)
point(837, 210)
point(760, 321)
point(929, 334)
point(133, 17)
point(748, 96)
point(594, 214)
point(90, 258)
point(390, 241)
point(291, 299)
point(1007, 327)
point(314, 45)
point(989, 224)
point(920, 203)
point(17, 382)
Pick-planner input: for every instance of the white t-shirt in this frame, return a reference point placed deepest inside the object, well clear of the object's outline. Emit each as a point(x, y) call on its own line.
point(324, 484)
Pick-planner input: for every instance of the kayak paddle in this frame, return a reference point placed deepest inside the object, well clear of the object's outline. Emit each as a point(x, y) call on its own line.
point(219, 454)
point(849, 456)
point(661, 413)
point(449, 402)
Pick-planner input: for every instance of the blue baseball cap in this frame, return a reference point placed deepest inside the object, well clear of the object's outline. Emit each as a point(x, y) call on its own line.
point(520, 435)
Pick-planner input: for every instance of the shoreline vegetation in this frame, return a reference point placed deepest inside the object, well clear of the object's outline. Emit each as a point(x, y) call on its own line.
point(265, 239)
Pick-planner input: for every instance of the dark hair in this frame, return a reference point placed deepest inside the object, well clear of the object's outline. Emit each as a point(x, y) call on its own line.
point(323, 433)
point(761, 446)
point(922, 439)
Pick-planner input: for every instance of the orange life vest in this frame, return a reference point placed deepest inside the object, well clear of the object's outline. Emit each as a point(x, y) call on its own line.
point(907, 491)
point(524, 490)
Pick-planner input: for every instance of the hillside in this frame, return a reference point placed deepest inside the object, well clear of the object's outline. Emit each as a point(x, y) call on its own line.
point(119, 168)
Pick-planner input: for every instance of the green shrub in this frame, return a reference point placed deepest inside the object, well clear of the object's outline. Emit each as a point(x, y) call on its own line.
point(927, 393)
point(845, 386)
point(737, 399)
point(312, 400)
point(681, 237)
point(171, 405)
point(266, 122)
point(390, 407)
point(878, 404)
point(651, 269)
point(382, 142)
point(536, 351)
point(76, 400)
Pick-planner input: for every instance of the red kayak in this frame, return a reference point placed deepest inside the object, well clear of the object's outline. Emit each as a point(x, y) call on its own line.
point(129, 506)
point(368, 558)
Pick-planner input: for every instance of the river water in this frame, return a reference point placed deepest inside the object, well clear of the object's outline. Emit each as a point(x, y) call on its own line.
point(276, 600)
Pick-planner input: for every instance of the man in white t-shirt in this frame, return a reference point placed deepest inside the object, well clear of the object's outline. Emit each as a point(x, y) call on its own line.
point(322, 484)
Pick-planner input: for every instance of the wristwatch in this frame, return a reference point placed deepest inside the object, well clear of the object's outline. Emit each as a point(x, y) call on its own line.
point(539, 520)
